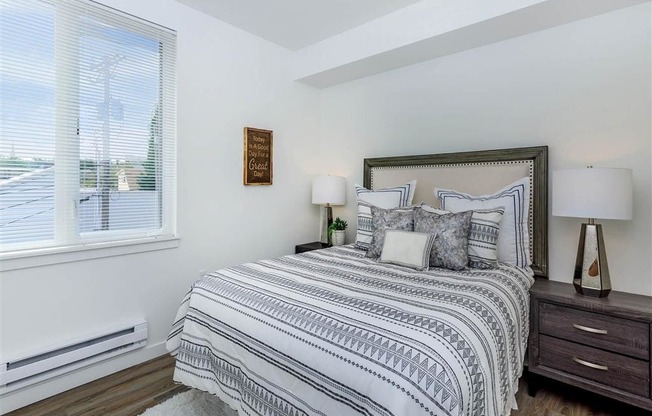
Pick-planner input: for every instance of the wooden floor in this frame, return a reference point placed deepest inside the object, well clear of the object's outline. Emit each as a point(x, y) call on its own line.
point(131, 391)
point(556, 399)
point(128, 392)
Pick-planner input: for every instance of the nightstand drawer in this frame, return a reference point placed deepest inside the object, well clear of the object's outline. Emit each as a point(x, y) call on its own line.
point(610, 333)
point(617, 371)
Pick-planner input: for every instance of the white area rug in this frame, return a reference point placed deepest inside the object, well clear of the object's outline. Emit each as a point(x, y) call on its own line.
point(191, 403)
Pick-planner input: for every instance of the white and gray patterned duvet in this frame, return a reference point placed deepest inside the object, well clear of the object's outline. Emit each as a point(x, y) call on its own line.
point(332, 333)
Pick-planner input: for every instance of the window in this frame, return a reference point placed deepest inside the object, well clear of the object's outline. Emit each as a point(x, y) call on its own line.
point(87, 125)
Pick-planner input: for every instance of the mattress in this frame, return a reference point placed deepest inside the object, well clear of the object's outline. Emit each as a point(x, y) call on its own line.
point(332, 332)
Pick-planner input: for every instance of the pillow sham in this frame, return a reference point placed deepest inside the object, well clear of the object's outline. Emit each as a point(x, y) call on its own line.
point(364, 234)
point(399, 196)
point(384, 219)
point(483, 235)
point(513, 237)
point(406, 248)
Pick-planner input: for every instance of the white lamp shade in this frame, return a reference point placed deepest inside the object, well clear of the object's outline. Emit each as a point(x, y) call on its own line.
point(602, 193)
point(328, 189)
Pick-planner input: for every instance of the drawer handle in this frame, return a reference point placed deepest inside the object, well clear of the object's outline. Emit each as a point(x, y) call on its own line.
point(589, 329)
point(592, 365)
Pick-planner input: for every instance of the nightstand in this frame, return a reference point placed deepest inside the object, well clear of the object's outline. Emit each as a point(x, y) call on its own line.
point(598, 344)
point(302, 248)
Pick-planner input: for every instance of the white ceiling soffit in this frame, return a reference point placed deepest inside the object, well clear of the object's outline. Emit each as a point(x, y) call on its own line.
point(294, 24)
point(433, 28)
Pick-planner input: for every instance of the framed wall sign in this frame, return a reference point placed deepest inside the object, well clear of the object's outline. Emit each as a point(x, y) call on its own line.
point(258, 159)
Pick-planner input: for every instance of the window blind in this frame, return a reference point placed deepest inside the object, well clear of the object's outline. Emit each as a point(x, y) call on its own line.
point(87, 125)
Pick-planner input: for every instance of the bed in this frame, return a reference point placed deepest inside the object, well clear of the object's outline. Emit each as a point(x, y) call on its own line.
point(334, 332)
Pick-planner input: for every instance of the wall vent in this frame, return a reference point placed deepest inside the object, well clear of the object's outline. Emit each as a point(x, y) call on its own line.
point(71, 355)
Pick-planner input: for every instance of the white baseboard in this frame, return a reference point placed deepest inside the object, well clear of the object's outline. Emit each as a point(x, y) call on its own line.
point(34, 393)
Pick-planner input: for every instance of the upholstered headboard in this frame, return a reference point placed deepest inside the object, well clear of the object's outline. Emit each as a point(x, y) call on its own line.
point(476, 173)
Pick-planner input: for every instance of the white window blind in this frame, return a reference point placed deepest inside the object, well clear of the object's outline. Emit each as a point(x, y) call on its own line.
point(87, 125)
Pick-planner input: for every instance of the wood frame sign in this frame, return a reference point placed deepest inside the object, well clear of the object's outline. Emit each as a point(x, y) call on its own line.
point(258, 156)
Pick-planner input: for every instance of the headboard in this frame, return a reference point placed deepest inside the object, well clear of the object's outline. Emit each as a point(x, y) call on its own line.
point(477, 173)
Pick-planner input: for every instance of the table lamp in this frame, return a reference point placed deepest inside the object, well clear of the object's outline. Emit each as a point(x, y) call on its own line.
point(602, 193)
point(327, 191)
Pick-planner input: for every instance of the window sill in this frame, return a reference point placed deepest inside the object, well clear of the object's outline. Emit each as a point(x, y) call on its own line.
point(57, 255)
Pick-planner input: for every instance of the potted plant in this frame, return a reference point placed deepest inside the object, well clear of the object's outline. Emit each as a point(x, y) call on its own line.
point(336, 231)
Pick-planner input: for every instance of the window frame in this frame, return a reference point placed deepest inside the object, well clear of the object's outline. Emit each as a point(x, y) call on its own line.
point(69, 244)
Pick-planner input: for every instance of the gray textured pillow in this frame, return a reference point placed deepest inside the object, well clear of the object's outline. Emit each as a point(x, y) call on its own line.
point(383, 219)
point(450, 249)
point(398, 196)
point(483, 235)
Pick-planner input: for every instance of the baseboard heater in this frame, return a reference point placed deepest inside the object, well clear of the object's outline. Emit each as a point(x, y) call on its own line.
point(71, 355)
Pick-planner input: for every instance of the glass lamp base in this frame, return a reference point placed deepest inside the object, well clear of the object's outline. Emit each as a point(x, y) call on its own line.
point(326, 221)
point(591, 275)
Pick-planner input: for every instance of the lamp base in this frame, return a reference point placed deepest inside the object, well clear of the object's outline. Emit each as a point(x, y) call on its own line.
point(591, 276)
point(326, 222)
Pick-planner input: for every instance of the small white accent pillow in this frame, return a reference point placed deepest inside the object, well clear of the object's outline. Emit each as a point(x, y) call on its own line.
point(399, 196)
point(407, 248)
point(513, 237)
point(483, 235)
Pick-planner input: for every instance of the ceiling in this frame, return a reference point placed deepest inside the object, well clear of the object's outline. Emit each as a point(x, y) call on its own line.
point(295, 24)
point(337, 41)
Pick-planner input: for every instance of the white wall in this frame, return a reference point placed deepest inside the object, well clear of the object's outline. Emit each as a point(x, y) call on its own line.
point(227, 79)
point(583, 89)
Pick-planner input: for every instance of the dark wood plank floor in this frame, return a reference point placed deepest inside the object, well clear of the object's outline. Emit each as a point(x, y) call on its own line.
point(130, 392)
point(125, 393)
point(557, 399)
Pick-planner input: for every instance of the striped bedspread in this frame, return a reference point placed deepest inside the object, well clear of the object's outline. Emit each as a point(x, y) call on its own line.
point(332, 333)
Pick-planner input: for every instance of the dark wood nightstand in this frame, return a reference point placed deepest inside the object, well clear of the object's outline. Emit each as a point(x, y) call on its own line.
point(302, 248)
point(598, 344)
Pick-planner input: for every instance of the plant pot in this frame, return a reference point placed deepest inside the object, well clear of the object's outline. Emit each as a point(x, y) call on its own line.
point(338, 237)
